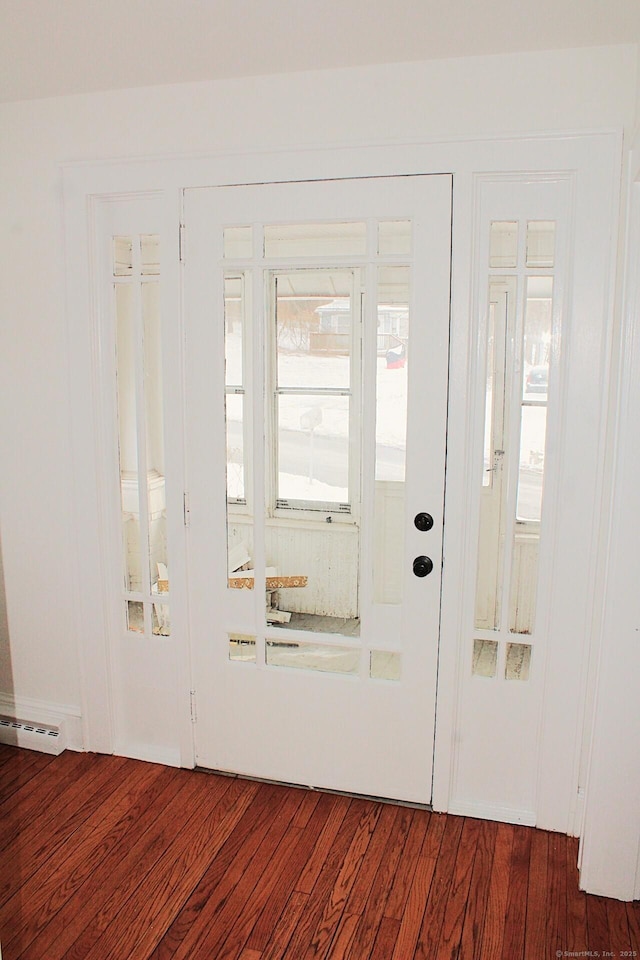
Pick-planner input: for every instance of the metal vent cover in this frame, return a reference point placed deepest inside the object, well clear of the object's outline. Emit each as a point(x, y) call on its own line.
point(32, 736)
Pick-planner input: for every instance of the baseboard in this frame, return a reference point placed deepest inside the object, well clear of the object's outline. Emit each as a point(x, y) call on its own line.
point(45, 714)
point(486, 811)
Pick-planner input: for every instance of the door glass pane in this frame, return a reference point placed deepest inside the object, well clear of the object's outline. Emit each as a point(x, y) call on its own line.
point(242, 647)
point(313, 451)
point(394, 237)
point(233, 329)
point(384, 665)
point(315, 239)
point(314, 328)
point(238, 243)
point(392, 346)
point(312, 656)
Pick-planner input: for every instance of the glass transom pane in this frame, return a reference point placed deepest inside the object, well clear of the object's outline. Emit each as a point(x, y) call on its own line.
point(315, 239)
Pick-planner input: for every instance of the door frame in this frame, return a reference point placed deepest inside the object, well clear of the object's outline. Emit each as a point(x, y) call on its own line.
point(593, 161)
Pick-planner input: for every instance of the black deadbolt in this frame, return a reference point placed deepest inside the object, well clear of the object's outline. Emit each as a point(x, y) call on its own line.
point(422, 566)
point(423, 521)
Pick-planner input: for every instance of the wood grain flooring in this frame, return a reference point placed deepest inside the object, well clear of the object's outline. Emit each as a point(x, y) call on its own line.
point(102, 857)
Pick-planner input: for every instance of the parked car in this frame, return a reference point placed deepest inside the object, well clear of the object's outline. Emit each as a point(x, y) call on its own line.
point(537, 379)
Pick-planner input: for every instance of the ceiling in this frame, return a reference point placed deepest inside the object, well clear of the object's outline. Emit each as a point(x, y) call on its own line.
point(58, 47)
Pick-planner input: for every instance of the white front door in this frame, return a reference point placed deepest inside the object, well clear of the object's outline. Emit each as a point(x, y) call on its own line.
point(317, 330)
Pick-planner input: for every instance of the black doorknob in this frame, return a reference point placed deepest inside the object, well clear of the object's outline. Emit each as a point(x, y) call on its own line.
point(423, 521)
point(422, 566)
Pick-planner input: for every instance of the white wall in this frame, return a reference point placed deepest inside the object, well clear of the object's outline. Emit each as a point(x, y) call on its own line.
point(560, 90)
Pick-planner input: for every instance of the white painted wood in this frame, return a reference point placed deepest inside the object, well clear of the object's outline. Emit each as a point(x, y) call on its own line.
point(610, 844)
point(321, 729)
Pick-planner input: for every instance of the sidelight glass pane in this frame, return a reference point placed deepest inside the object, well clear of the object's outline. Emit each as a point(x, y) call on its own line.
point(541, 243)
point(150, 255)
point(531, 460)
point(493, 518)
point(160, 620)
point(394, 237)
point(531, 464)
point(315, 239)
point(135, 616)
point(518, 661)
point(314, 328)
point(485, 658)
point(313, 450)
point(126, 313)
point(503, 243)
point(122, 256)
point(154, 423)
point(312, 656)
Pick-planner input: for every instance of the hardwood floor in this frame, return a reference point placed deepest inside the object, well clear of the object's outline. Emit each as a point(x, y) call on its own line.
point(103, 857)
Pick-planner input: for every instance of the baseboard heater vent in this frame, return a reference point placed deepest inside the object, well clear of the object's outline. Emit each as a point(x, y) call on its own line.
point(33, 736)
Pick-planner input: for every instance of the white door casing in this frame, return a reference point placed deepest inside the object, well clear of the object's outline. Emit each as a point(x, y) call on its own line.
point(591, 162)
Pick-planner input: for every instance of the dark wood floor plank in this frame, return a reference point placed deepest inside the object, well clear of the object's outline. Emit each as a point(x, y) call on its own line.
point(369, 869)
point(19, 770)
point(133, 861)
point(399, 892)
point(493, 930)
point(345, 881)
point(415, 906)
point(557, 895)
point(536, 945)
point(326, 879)
point(515, 919)
point(287, 924)
point(457, 902)
point(446, 856)
point(42, 798)
point(227, 931)
point(30, 909)
point(69, 809)
point(204, 907)
point(633, 919)
point(576, 902)
point(373, 913)
point(344, 936)
point(597, 924)
point(323, 845)
point(473, 927)
point(289, 873)
point(149, 830)
point(155, 904)
point(387, 938)
point(619, 934)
